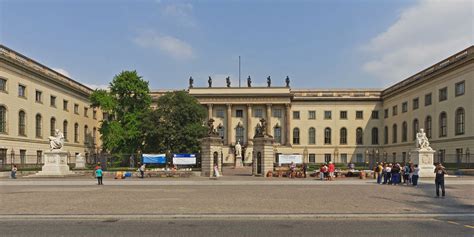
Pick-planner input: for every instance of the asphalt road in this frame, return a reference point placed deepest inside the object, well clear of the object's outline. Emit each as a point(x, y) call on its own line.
point(211, 227)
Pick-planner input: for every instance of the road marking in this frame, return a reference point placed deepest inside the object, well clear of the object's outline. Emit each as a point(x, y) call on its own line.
point(469, 226)
point(452, 222)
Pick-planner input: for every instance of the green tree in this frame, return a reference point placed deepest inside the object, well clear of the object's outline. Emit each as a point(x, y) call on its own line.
point(176, 125)
point(126, 103)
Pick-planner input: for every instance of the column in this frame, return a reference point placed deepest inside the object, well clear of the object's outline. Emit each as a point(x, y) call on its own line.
point(249, 123)
point(287, 124)
point(229, 124)
point(209, 111)
point(269, 119)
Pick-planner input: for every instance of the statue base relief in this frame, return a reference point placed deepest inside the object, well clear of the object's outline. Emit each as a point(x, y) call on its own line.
point(424, 159)
point(55, 164)
point(238, 162)
point(80, 162)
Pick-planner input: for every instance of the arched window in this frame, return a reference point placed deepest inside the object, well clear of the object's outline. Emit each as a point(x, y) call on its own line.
point(385, 135)
point(3, 119)
point(277, 133)
point(375, 136)
point(343, 136)
point(443, 123)
point(94, 131)
point(327, 136)
point(296, 136)
point(239, 134)
point(394, 133)
point(404, 131)
point(460, 120)
point(416, 128)
point(86, 130)
point(22, 123)
point(359, 136)
point(65, 129)
point(312, 135)
point(52, 126)
point(76, 132)
point(428, 126)
point(38, 122)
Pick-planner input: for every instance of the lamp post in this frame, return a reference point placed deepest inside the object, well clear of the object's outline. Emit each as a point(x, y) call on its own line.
point(377, 155)
point(468, 158)
point(366, 156)
point(12, 156)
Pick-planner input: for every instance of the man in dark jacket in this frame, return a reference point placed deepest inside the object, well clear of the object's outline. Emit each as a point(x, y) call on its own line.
point(439, 180)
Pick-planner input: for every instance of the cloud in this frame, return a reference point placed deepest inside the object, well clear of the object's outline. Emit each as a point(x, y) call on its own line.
point(174, 47)
point(423, 35)
point(62, 71)
point(181, 13)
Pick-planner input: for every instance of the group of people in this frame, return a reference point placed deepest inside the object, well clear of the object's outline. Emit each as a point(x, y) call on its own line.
point(326, 171)
point(395, 174)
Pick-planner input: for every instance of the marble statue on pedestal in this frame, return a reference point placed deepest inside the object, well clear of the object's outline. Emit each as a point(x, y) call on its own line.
point(423, 155)
point(56, 142)
point(422, 141)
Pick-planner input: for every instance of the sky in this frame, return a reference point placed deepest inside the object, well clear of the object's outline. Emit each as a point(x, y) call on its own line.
point(318, 44)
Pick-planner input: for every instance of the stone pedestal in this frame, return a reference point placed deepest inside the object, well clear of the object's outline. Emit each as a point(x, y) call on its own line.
point(238, 162)
point(211, 148)
point(263, 155)
point(55, 164)
point(80, 162)
point(424, 160)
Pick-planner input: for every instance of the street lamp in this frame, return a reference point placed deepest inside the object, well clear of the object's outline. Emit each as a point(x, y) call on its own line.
point(377, 155)
point(12, 155)
point(468, 158)
point(366, 156)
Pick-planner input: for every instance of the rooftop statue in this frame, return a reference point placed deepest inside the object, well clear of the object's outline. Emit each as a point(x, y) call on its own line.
point(56, 142)
point(209, 81)
point(191, 81)
point(269, 81)
point(249, 82)
point(422, 141)
point(287, 81)
point(227, 81)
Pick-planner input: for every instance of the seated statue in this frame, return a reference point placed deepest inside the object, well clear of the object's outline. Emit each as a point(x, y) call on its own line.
point(56, 142)
point(422, 141)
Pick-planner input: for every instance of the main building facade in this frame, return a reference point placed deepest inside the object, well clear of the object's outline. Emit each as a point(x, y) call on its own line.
point(340, 125)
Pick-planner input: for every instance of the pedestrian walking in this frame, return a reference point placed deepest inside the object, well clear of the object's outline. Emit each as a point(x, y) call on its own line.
point(415, 176)
point(216, 171)
point(304, 168)
point(142, 171)
point(13, 173)
point(439, 180)
point(98, 175)
point(378, 172)
point(331, 169)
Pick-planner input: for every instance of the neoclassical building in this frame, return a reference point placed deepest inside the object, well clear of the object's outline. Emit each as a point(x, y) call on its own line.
point(339, 125)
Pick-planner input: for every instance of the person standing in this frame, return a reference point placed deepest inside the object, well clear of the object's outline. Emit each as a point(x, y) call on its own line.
point(304, 168)
point(98, 175)
point(415, 176)
point(142, 171)
point(439, 180)
point(13, 173)
point(378, 172)
point(331, 169)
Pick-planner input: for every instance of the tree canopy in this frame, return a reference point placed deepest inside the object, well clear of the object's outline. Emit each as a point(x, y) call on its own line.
point(126, 102)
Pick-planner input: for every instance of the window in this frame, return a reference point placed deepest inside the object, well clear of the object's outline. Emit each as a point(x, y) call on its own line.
point(65, 129)
point(416, 103)
point(428, 99)
point(3, 85)
point(76, 108)
point(22, 156)
point(343, 136)
point(3, 156)
point(459, 126)
point(312, 136)
point(312, 114)
point(39, 96)
point(359, 136)
point(394, 157)
point(52, 101)
point(105, 116)
point(86, 112)
point(38, 125)
point(52, 126)
point(459, 88)
point(327, 157)
point(359, 158)
point(404, 157)
point(239, 113)
point(220, 113)
point(22, 91)
point(86, 131)
point(443, 94)
point(394, 110)
point(428, 126)
point(277, 134)
point(443, 123)
point(327, 136)
point(416, 128)
point(296, 136)
point(296, 114)
point(385, 113)
point(394, 133)
point(65, 105)
point(22, 123)
point(327, 114)
point(76, 133)
point(220, 130)
point(94, 114)
point(404, 131)
point(359, 114)
point(375, 114)
point(344, 158)
point(404, 107)
point(258, 113)
point(385, 135)
point(94, 131)
point(3, 119)
point(441, 155)
point(239, 134)
point(312, 158)
point(39, 157)
point(375, 136)
point(343, 115)
point(277, 113)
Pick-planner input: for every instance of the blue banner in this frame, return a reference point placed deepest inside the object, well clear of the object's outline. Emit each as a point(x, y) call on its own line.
point(154, 158)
